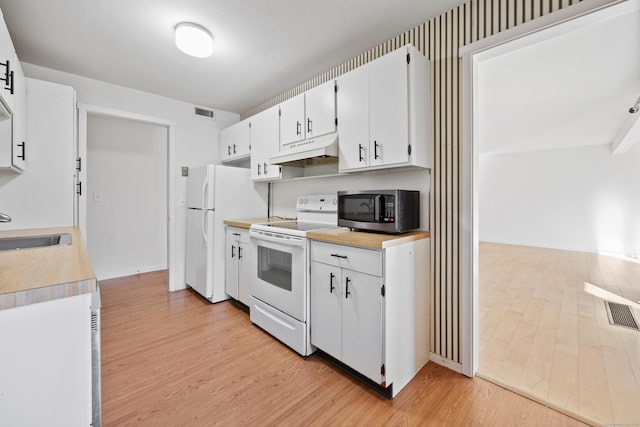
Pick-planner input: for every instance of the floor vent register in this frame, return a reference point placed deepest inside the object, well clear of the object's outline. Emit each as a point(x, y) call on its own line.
point(621, 315)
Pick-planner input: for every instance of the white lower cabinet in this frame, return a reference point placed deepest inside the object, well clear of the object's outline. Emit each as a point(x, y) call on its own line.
point(239, 260)
point(370, 315)
point(45, 363)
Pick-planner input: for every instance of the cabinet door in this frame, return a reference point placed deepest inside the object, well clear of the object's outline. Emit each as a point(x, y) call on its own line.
point(321, 110)
point(7, 56)
point(19, 156)
point(292, 126)
point(247, 264)
point(326, 308)
point(353, 119)
point(388, 109)
point(226, 143)
point(231, 264)
point(265, 143)
point(242, 140)
point(362, 323)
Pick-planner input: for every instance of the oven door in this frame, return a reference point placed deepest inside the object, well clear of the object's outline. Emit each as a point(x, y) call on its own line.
point(281, 272)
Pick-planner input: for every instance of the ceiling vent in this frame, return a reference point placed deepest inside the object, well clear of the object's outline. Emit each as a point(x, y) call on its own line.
point(205, 113)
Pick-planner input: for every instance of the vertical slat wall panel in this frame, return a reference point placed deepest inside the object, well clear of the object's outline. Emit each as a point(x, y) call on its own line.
point(440, 39)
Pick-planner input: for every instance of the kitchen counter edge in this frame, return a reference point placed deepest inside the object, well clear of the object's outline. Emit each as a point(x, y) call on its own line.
point(246, 223)
point(37, 275)
point(344, 236)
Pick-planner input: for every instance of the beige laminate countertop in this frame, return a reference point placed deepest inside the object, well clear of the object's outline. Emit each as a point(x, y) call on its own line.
point(34, 275)
point(364, 239)
point(246, 223)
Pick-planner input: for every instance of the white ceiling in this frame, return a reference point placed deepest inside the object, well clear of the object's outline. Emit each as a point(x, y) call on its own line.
point(262, 48)
point(571, 90)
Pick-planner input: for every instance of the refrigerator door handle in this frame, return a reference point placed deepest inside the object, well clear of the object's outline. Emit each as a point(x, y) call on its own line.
point(205, 184)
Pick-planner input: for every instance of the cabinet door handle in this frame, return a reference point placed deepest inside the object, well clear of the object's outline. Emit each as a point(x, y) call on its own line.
point(298, 128)
point(347, 293)
point(233, 252)
point(234, 148)
point(309, 122)
point(360, 148)
point(79, 188)
point(375, 150)
point(228, 150)
point(22, 156)
point(236, 234)
point(239, 252)
point(339, 256)
point(331, 287)
point(259, 166)
point(8, 76)
point(264, 168)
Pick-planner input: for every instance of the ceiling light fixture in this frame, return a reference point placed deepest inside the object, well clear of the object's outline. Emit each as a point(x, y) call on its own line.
point(194, 40)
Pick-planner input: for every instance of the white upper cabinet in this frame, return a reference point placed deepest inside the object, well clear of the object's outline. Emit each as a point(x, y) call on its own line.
point(19, 155)
point(383, 113)
point(321, 109)
point(265, 136)
point(353, 119)
point(292, 128)
point(308, 115)
point(13, 141)
point(235, 142)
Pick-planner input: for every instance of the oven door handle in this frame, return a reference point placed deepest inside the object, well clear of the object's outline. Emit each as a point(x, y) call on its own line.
point(287, 241)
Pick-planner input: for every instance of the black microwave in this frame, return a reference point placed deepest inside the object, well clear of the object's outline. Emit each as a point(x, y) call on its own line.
point(388, 211)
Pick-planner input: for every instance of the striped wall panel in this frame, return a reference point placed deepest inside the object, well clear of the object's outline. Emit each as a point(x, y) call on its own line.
point(440, 39)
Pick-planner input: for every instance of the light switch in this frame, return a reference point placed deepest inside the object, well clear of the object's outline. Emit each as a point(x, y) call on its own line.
point(97, 196)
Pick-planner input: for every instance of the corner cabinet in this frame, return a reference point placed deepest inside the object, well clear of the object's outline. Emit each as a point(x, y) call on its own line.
point(370, 308)
point(238, 262)
point(235, 142)
point(383, 113)
point(13, 141)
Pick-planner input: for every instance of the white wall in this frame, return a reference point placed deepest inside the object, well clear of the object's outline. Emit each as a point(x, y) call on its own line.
point(196, 138)
point(42, 196)
point(127, 196)
point(583, 199)
point(285, 193)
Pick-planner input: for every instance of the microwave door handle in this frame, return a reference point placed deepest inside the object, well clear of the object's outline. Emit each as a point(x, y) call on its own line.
point(377, 209)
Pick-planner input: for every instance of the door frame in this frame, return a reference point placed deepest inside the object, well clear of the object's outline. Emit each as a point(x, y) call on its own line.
point(80, 215)
point(542, 28)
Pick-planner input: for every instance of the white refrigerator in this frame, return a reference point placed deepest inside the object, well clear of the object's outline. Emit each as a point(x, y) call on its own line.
point(214, 194)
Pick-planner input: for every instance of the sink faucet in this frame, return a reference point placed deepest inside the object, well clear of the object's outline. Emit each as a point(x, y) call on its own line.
point(4, 217)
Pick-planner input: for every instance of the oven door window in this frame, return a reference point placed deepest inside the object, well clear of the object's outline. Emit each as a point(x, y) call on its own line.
point(275, 267)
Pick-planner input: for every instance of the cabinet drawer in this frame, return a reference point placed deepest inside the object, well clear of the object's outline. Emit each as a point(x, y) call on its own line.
point(364, 260)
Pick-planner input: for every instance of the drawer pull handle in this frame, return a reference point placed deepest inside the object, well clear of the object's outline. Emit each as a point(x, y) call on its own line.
point(331, 287)
point(339, 256)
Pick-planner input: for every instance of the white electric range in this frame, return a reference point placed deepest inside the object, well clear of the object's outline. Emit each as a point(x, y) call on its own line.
point(280, 295)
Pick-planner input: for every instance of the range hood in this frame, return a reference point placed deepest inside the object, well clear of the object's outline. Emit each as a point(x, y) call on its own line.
point(319, 150)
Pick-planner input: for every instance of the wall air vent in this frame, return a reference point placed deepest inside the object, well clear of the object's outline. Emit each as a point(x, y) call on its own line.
point(205, 113)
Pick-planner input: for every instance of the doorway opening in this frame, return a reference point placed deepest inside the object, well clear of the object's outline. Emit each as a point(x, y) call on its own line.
point(550, 230)
point(126, 204)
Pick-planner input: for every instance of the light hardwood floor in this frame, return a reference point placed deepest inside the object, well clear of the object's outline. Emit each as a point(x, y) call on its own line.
point(173, 359)
point(544, 333)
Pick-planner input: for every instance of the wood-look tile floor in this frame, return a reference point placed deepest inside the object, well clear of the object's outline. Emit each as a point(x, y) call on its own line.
point(173, 359)
point(544, 333)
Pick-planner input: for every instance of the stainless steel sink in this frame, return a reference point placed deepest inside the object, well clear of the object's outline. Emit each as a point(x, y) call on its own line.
point(26, 242)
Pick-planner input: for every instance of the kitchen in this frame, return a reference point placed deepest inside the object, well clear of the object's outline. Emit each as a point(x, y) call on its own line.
point(92, 92)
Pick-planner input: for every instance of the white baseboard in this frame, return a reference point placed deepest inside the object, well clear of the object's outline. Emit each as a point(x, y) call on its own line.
point(131, 272)
point(447, 363)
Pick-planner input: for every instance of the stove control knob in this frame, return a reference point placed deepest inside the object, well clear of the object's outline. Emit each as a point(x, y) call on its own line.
point(300, 201)
point(306, 201)
point(334, 201)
